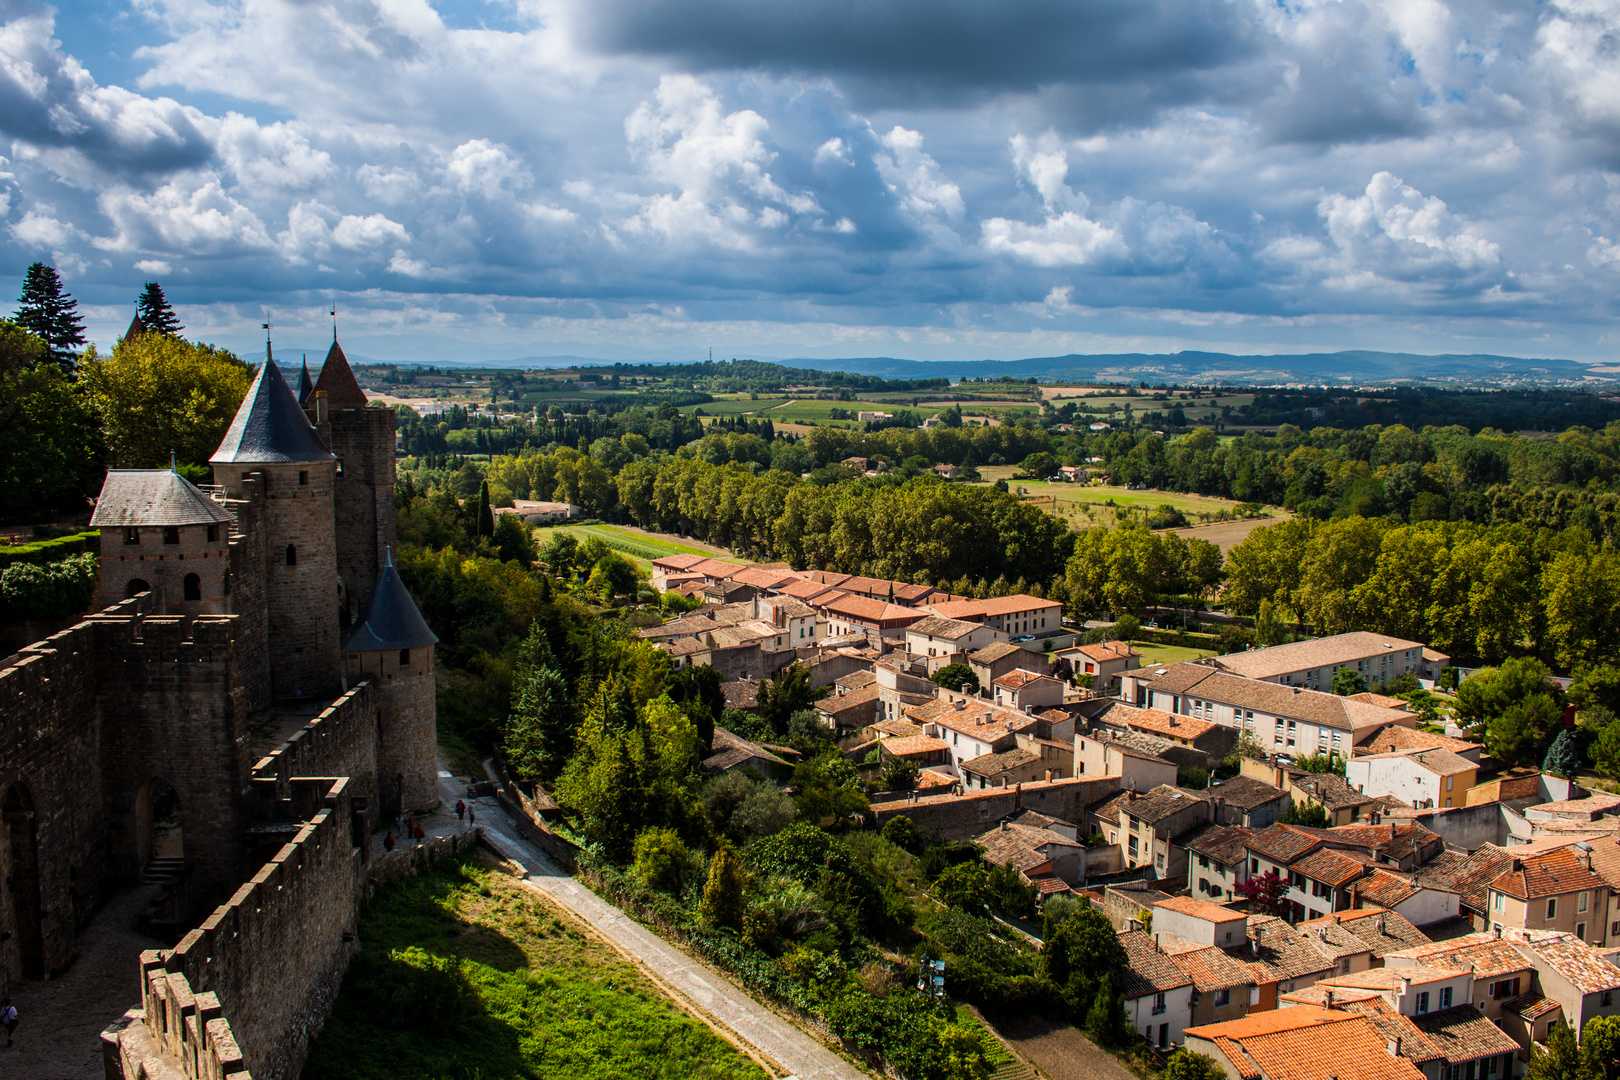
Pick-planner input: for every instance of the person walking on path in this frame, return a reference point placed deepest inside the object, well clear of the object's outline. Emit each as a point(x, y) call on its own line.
point(8, 1018)
point(388, 842)
point(461, 810)
point(472, 816)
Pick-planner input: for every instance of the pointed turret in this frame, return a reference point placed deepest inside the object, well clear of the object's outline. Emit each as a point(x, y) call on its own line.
point(270, 427)
point(390, 619)
point(136, 328)
point(306, 386)
point(337, 379)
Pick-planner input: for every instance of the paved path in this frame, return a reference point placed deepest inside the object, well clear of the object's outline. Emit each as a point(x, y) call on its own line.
point(782, 1044)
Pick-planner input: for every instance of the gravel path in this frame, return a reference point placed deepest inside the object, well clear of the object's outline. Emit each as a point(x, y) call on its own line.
point(788, 1049)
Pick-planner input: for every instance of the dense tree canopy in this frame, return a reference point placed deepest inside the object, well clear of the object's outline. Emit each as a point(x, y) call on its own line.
point(156, 396)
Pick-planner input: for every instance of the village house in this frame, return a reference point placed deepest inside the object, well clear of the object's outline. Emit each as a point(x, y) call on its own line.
point(1046, 851)
point(1217, 860)
point(1027, 692)
point(1149, 824)
point(1580, 979)
point(1342, 803)
point(1501, 973)
point(1282, 960)
point(1104, 662)
point(1245, 801)
point(947, 641)
point(1222, 986)
point(849, 614)
point(1158, 994)
point(1015, 616)
point(1553, 890)
point(1134, 757)
point(1212, 741)
point(1362, 938)
point(1302, 1043)
point(1420, 778)
point(993, 661)
point(1377, 658)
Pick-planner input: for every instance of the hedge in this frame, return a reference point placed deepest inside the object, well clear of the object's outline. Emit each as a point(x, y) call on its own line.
point(40, 552)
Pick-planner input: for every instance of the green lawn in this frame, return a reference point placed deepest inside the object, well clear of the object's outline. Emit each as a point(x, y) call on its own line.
point(465, 975)
point(634, 546)
point(1170, 654)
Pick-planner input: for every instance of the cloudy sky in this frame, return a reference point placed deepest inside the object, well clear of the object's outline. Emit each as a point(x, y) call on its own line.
point(918, 178)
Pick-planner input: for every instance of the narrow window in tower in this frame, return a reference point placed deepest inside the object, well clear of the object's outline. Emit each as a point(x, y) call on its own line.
point(339, 467)
point(292, 555)
point(225, 589)
point(404, 658)
point(171, 535)
point(213, 534)
point(192, 586)
point(132, 536)
point(303, 478)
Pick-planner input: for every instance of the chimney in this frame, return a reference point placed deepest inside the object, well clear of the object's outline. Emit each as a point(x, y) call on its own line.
point(960, 705)
point(1380, 923)
point(1328, 1001)
point(1395, 1047)
point(1406, 985)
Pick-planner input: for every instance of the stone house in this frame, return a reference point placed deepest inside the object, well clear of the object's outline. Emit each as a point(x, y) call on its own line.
point(1217, 860)
point(1027, 691)
point(946, 641)
point(1150, 823)
point(1581, 979)
point(1135, 758)
point(1420, 778)
point(1222, 986)
point(1342, 803)
point(1554, 890)
point(1158, 994)
point(1104, 661)
point(993, 661)
point(1501, 972)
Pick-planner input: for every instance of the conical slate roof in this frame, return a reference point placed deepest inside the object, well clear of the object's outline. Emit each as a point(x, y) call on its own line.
point(337, 379)
point(132, 497)
point(305, 385)
point(270, 427)
point(390, 619)
point(136, 329)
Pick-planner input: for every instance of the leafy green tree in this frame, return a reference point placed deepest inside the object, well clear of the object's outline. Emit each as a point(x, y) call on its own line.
point(1082, 954)
point(52, 590)
point(662, 859)
point(965, 888)
point(829, 790)
point(49, 451)
point(699, 690)
point(1563, 759)
point(560, 552)
point(160, 396)
point(155, 313)
point(1516, 707)
point(1605, 751)
point(1597, 685)
point(1561, 1058)
point(900, 832)
point(1347, 682)
point(724, 897)
point(957, 677)
point(514, 540)
point(1268, 629)
point(1309, 814)
point(1188, 1065)
point(781, 697)
point(898, 774)
point(48, 312)
point(1106, 1021)
point(613, 575)
point(1600, 1048)
point(1009, 893)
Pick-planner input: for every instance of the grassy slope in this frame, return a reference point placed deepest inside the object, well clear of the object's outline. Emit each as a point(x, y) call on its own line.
point(533, 996)
point(1169, 654)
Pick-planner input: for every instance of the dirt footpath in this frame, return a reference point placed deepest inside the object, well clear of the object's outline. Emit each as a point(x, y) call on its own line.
point(1062, 1052)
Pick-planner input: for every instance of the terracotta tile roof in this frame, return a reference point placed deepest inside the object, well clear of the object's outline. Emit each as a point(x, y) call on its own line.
point(764, 579)
point(1223, 843)
point(805, 590)
point(1331, 867)
point(1531, 1005)
point(1379, 931)
point(865, 609)
point(1464, 1034)
point(1209, 968)
point(1276, 952)
point(1258, 1024)
point(1148, 970)
point(718, 569)
point(999, 605)
point(1021, 846)
point(741, 694)
point(1438, 761)
point(1329, 789)
point(1352, 1047)
point(1391, 1025)
point(1385, 890)
point(857, 679)
point(1386, 700)
point(1576, 961)
point(678, 562)
point(1105, 651)
point(1154, 721)
point(1159, 803)
point(1283, 843)
point(988, 765)
point(1552, 873)
point(1389, 978)
point(1468, 875)
point(991, 653)
point(1590, 806)
point(1290, 702)
point(1200, 909)
point(1488, 955)
point(1136, 743)
point(913, 746)
point(947, 629)
point(1606, 859)
point(840, 703)
point(1016, 678)
point(987, 723)
point(1306, 655)
point(1399, 737)
point(900, 728)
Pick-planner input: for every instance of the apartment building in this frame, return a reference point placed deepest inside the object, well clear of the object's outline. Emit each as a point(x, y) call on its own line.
point(1377, 658)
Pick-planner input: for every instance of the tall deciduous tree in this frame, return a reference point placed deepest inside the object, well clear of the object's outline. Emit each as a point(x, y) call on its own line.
point(159, 395)
point(50, 312)
point(155, 313)
point(49, 453)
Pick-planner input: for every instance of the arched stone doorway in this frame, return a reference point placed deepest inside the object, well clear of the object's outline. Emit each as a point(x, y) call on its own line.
point(135, 587)
point(22, 879)
point(159, 838)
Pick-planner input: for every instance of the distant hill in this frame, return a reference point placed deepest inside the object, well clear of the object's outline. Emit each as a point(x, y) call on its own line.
point(1338, 368)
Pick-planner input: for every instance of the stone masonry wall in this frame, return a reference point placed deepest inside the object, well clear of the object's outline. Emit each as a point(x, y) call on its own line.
point(341, 741)
point(959, 817)
point(164, 567)
point(246, 595)
point(407, 733)
point(363, 440)
point(172, 707)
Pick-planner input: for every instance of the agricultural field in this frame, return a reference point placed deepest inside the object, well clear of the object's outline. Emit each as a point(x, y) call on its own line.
point(634, 544)
point(468, 973)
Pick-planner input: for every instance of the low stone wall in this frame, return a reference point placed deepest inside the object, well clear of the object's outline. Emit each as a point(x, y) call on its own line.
point(409, 859)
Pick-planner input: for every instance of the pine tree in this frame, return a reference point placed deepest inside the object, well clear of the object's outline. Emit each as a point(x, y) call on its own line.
point(45, 310)
point(155, 313)
point(1562, 757)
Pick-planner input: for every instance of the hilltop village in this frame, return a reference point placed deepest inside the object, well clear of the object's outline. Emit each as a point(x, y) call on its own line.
point(1438, 917)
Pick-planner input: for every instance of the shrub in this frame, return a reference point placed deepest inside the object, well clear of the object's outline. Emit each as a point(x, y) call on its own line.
point(723, 894)
point(662, 859)
point(964, 886)
point(50, 591)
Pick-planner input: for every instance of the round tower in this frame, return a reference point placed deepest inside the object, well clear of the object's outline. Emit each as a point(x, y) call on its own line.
point(392, 646)
point(274, 455)
point(161, 533)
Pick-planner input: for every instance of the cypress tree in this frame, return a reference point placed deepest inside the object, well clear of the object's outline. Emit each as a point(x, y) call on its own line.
point(486, 516)
point(47, 311)
point(155, 312)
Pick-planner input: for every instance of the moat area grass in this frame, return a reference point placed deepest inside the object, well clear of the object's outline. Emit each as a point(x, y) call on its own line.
point(641, 548)
point(464, 975)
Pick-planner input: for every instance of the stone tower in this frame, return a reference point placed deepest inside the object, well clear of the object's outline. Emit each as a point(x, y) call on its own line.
point(392, 646)
point(161, 533)
point(363, 441)
point(274, 454)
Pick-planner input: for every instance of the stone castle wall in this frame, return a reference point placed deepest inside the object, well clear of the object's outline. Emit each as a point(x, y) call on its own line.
point(408, 741)
point(254, 983)
point(164, 567)
point(245, 596)
point(341, 741)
